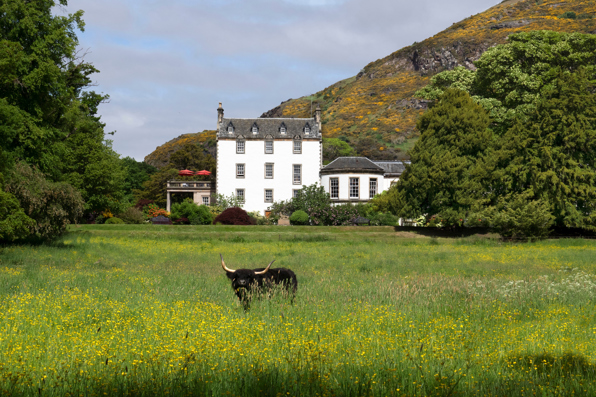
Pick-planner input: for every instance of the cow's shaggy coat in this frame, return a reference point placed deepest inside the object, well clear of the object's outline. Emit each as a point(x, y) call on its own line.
point(247, 281)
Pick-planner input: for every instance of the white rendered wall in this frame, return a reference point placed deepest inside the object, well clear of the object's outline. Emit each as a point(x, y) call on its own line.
point(254, 160)
point(344, 185)
point(388, 181)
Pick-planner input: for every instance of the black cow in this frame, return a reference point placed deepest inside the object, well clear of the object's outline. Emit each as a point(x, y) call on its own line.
point(245, 281)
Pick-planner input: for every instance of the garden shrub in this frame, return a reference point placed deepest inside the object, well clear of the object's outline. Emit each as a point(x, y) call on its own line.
point(142, 203)
point(334, 215)
point(233, 216)
point(14, 223)
point(114, 221)
point(196, 214)
point(132, 215)
point(259, 219)
point(384, 219)
point(299, 218)
point(52, 205)
point(202, 216)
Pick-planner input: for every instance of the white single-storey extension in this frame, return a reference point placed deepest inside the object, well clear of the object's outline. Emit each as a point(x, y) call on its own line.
point(358, 179)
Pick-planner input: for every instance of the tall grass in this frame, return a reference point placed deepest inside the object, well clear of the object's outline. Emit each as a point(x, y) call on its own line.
point(148, 311)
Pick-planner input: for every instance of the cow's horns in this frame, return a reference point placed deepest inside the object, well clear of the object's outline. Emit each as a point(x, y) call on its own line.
point(266, 269)
point(224, 265)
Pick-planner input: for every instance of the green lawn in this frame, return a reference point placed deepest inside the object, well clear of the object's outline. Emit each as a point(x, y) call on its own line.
point(147, 310)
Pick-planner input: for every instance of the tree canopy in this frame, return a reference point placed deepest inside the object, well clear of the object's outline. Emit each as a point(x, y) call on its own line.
point(48, 113)
point(511, 78)
point(520, 152)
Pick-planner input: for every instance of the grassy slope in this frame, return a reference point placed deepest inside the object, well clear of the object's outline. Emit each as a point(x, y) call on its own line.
point(143, 310)
point(375, 103)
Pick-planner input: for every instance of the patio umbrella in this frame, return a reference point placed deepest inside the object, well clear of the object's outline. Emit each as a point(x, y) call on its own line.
point(185, 173)
point(204, 172)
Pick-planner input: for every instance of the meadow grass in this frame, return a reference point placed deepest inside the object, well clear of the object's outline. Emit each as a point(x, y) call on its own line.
point(146, 310)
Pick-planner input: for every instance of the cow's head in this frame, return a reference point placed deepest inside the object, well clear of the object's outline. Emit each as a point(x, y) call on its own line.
point(244, 278)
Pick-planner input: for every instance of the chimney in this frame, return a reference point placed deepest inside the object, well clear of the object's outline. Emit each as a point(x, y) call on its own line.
point(318, 118)
point(219, 116)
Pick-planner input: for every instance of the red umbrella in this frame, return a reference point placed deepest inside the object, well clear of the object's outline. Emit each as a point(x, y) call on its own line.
point(204, 172)
point(185, 173)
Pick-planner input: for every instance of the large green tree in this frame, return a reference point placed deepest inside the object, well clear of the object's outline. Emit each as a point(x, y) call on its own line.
point(510, 79)
point(537, 163)
point(454, 134)
point(48, 115)
point(549, 156)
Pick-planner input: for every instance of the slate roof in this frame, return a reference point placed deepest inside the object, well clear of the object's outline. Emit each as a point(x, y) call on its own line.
point(352, 164)
point(364, 165)
point(269, 127)
point(392, 167)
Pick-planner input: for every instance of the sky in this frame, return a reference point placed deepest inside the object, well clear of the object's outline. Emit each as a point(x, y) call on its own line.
point(166, 65)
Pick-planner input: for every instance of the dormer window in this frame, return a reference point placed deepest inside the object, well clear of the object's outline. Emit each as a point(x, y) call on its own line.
point(306, 129)
point(255, 128)
point(230, 128)
point(282, 129)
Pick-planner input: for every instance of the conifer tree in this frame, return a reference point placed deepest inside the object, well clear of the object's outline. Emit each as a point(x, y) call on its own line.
point(454, 134)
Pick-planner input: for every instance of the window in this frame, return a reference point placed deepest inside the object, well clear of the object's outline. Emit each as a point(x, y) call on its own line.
point(297, 147)
point(255, 129)
point(307, 129)
point(206, 200)
point(269, 170)
point(239, 146)
point(354, 190)
point(282, 130)
point(295, 193)
point(334, 188)
point(269, 147)
point(268, 195)
point(372, 187)
point(297, 174)
point(230, 129)
point(240, 195)
point(239, 170)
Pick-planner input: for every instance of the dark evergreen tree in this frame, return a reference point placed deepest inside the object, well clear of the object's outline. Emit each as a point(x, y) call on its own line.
point(550, 156)
point(454, 134)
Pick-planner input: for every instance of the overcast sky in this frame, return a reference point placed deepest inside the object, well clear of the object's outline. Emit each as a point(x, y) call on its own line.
point(167, 64)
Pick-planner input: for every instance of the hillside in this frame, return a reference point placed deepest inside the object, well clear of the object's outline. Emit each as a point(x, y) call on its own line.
point(161, 155)
point(375, 110)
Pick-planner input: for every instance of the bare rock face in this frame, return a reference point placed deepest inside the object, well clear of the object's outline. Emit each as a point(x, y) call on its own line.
point(428, 61)
point(510, 24)
point(412, 103)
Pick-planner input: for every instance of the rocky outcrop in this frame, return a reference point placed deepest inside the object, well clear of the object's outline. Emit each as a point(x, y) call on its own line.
point(510, 24)
point(412, 104)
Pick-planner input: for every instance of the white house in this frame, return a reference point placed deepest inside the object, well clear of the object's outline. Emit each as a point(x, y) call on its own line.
point(265, 160)
point(358, 179)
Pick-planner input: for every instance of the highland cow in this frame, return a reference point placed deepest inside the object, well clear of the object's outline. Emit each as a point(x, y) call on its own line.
point(247, 281)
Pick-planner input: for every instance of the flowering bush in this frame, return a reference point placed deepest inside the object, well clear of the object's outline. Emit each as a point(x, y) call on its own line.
point(153, 210)
point(333, 216)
